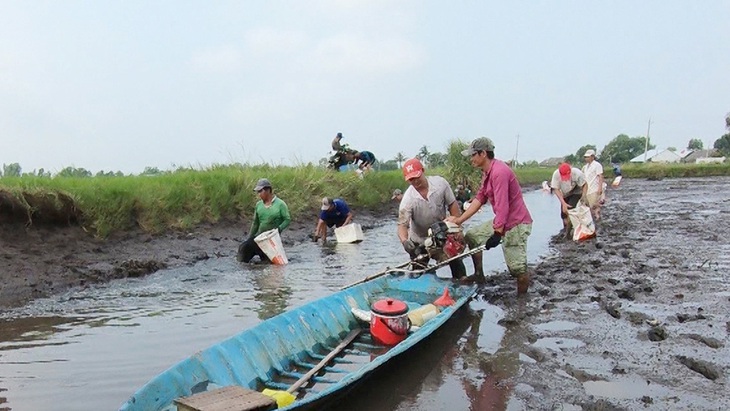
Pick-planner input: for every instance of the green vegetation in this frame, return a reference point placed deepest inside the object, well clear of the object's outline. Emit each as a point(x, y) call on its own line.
point(185, 198)
point(676, 170)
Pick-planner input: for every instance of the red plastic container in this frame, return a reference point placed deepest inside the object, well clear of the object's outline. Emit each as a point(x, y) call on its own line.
point(389, 321)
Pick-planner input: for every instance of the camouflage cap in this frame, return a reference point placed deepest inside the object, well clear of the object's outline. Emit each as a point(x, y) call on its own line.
point(479, 144)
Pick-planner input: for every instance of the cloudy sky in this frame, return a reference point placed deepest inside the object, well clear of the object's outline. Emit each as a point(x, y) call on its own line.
point(121, 85)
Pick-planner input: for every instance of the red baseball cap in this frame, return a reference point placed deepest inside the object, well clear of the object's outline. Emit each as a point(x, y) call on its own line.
point(564, 171)
point(412, 169)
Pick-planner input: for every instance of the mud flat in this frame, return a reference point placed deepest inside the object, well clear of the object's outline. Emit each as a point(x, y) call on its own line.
point(39, 261)
point(637, 318)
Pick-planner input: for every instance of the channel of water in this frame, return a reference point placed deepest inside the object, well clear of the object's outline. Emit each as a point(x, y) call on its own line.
point(91, 349)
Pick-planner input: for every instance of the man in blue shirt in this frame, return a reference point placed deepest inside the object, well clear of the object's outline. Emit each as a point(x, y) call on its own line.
point(334, 212)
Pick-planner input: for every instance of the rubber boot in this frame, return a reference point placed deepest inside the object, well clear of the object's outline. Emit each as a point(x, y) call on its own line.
point(523, 283)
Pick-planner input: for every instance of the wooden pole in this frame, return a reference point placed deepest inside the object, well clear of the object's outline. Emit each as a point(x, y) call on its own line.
point(646, 143)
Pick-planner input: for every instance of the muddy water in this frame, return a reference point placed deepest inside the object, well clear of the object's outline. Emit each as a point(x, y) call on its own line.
point(90, 349)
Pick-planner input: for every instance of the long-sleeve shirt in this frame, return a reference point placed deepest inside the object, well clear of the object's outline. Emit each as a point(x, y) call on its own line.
point(266, 218)
point(501, 188)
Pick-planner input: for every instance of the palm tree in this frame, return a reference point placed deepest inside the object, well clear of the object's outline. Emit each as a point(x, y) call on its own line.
point(399, 159)
point(423, 154)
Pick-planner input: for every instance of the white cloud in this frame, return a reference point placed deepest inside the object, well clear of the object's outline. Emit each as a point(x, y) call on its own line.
point(348, 53)
point(269, 40)
point(223, 59)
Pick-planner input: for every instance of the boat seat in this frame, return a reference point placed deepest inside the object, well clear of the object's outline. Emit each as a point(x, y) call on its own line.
point(231, 398)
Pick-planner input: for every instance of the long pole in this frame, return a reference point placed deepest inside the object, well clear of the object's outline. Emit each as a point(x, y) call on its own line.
point(646, 143)
point(517, 149)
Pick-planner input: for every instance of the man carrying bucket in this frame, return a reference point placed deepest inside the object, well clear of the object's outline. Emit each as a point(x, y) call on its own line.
point(424, 203)
point(511, 218)
point(334, 212)
point(270, 213)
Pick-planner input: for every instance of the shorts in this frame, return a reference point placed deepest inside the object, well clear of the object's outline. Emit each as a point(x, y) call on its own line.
point(572, 201)
point(335, 223)
point(514, 244)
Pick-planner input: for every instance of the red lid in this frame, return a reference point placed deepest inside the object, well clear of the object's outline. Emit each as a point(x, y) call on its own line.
point(390, 306)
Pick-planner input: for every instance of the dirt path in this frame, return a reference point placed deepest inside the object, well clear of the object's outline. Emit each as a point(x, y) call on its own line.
point(42, 261)
point(636, 319)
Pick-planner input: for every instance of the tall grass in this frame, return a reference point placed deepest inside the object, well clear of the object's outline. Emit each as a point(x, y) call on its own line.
point(677, 170)
point(186, 198)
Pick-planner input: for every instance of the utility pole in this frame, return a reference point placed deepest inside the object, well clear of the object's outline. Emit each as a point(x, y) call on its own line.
point(517, 149)
point(646, 143)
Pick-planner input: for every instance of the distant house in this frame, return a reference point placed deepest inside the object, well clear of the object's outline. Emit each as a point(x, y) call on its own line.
point(658, 156)
point(644, 156)
point(552, 162)
point(694, 156)
point(706, 160)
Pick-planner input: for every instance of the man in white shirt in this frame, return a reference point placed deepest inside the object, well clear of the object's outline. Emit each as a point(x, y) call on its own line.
point(569, 186)
point(593, 172)
point(424, 203)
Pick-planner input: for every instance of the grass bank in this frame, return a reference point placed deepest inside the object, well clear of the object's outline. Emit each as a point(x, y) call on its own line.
point(678, 170)
point(183, 199)
point(186, 198)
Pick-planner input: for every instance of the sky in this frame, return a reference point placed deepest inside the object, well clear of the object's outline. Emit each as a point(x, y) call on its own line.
point(124, 85)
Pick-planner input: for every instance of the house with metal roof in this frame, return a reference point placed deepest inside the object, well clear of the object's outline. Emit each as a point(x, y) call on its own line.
point(658, 156)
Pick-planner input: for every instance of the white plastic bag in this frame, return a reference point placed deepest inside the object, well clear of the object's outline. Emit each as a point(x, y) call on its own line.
point(582, 222)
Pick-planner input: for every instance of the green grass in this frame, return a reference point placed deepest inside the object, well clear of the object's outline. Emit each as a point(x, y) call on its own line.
point(187, 198)
point(678, 170)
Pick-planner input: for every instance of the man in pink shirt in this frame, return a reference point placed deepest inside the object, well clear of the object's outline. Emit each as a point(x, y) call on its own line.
point(511, 220)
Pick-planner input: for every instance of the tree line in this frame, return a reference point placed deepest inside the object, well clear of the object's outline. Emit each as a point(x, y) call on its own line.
point(624, 148)
point(15, 170)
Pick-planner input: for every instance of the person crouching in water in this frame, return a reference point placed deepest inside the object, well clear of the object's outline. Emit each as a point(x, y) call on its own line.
point(332, 213)
point(569, 186)
point(270, 213)
point(424, 204)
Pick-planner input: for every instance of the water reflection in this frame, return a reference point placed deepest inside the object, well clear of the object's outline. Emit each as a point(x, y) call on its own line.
point(33, 331)
point(488, 379)
point(271, 291)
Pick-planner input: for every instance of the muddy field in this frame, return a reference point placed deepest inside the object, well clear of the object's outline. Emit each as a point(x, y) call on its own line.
point(635, 319)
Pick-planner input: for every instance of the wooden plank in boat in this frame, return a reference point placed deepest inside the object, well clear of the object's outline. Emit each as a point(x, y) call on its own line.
point(232, 398)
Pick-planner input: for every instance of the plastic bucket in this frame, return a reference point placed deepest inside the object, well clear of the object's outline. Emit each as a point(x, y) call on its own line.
point(351, 233)
point(270, 244)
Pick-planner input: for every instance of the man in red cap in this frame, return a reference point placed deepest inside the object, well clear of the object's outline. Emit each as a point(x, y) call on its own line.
point(425, 202)
point(512, 220)
point(569, 186)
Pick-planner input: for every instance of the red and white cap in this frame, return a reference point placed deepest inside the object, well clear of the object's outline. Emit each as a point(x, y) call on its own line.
point(412, 169)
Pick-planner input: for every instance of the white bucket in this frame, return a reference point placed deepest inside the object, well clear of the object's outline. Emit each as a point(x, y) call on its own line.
point(351, 233)
point(616, 181)
point(270, 244)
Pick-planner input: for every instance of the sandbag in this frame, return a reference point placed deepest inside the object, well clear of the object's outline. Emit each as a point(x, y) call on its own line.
point(582, 222)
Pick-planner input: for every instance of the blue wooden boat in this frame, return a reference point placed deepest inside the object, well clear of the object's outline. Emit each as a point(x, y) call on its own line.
point(282, 349)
